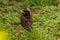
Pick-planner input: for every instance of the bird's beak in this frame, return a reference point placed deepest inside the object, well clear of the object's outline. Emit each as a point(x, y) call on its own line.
point(21, 11)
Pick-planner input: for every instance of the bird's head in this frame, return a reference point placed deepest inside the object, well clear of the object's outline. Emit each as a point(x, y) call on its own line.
point(26, 12)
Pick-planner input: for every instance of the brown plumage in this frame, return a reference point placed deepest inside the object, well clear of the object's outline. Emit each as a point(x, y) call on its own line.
point(26, 20)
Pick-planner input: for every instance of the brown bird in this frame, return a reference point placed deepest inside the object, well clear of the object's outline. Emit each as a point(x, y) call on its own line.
point(26, 20)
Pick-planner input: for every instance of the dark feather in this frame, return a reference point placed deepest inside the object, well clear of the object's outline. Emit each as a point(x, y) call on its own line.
point(26, 20)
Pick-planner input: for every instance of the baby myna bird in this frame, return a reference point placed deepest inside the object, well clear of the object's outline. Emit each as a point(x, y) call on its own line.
point(26, 20)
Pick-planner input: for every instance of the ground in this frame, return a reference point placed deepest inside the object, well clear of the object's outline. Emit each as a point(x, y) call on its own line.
point(46, 21)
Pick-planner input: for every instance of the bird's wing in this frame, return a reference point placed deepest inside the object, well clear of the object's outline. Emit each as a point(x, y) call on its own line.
point(24, 21)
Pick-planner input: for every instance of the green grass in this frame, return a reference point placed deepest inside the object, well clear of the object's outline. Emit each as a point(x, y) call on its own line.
point(46, 24)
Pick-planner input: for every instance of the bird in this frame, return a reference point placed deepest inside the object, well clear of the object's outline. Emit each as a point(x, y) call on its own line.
point(26, 20)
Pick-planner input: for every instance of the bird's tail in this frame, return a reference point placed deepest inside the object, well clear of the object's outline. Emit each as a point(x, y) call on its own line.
point(28, 29)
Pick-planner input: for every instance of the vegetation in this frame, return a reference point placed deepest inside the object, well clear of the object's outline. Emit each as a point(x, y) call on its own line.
point(45, 15)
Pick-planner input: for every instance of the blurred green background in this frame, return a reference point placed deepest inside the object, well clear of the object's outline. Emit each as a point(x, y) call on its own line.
point(45, 15)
